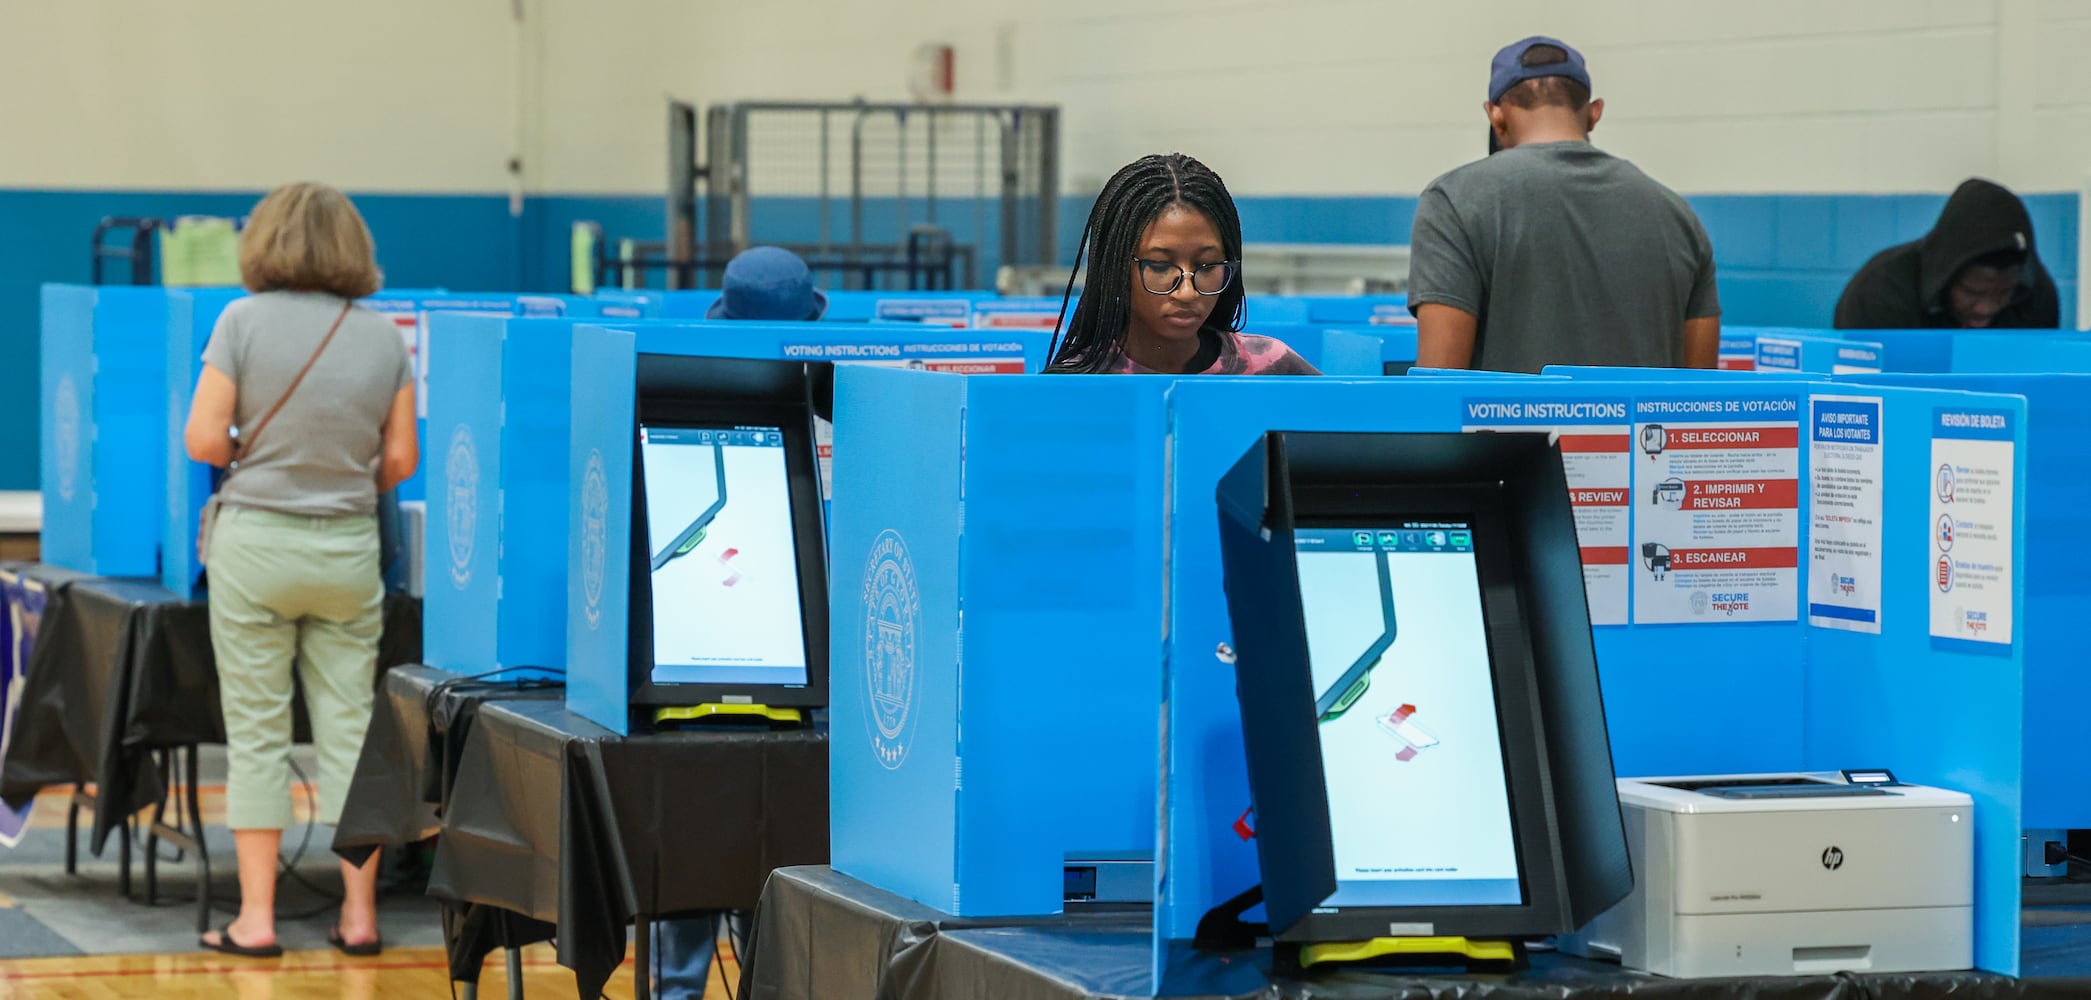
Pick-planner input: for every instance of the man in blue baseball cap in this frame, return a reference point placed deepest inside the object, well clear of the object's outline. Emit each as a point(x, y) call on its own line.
point(1551, 251)
point(768, 283)
point(764, 284)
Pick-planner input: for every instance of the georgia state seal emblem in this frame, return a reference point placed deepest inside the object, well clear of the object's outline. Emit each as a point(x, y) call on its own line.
point(461, 503)
point(892, 610)
point(65, 436)
point(595, 536)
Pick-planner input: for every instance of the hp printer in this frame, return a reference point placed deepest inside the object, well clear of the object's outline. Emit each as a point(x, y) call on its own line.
point(1789, 874)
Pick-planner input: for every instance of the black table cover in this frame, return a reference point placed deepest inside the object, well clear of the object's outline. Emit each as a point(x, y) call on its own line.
point(820, 935)
point(122, 668)
point(417, 732)
point(556, 819)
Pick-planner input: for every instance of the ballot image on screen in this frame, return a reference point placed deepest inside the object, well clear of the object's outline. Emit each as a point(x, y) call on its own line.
point(725, 568)
point(1412, 750)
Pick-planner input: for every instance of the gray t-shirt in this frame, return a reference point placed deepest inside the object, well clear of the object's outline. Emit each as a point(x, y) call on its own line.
point(1567, 254)
point(319, 455)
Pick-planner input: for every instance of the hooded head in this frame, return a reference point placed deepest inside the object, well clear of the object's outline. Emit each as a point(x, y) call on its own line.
point(1978, 259)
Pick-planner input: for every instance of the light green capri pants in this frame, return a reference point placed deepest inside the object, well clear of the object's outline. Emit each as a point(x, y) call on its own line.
point(284, 589)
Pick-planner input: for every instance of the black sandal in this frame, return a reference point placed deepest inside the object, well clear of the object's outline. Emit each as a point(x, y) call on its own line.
point(375, 946)
point(227, 946)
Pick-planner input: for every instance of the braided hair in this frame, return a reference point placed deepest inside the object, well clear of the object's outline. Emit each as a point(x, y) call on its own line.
point(1095, 337)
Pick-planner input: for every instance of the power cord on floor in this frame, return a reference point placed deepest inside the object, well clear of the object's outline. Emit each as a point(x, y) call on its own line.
point(287, 868)
point(733, 946)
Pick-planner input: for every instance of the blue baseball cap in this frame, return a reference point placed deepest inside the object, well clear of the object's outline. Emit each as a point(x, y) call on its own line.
point(768, 283)
point(1509, 69)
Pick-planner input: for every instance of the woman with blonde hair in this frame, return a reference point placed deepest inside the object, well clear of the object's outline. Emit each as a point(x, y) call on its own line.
point(308, 401)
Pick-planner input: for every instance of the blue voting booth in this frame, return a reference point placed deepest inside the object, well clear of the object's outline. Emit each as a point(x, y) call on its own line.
point(595, 492)
point(1783, 353)
point(1776, 680)
point(191, 315)
point(1815, 646)
point(2056, 467)
point(104, 396)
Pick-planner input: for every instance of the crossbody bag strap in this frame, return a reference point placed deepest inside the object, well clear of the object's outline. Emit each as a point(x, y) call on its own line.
point(246, 443)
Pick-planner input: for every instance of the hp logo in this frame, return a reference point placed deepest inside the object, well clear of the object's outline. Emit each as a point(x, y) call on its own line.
point(1832, 858)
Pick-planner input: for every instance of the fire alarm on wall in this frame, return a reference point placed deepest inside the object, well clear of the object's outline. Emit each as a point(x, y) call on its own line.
point(931, 76)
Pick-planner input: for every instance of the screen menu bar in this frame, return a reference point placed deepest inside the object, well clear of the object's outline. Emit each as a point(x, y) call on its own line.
point(732, 437)
point(1420, 537)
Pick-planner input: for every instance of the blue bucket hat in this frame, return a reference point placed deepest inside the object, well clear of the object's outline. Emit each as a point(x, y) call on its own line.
point(768, 283)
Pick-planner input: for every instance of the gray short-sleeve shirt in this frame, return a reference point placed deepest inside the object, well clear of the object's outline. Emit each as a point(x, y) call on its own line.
point(319, 455)
point(1567, 255)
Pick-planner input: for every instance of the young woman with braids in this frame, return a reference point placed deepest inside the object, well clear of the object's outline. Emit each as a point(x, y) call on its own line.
point(1164, 247)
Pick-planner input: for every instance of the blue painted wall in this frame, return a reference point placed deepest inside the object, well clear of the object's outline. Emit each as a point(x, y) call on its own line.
point(1783, 258)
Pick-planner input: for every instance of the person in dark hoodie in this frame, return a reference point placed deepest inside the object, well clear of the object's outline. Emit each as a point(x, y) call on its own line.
point(1975, 269)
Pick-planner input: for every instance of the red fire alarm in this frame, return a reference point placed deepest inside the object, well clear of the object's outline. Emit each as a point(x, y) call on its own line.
point(931, 78)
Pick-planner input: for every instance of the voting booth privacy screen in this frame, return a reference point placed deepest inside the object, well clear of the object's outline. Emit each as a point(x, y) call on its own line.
point(504, 415)
point(728, 565)
point(699, 477)
point(1419, 701)
point(1783, 540)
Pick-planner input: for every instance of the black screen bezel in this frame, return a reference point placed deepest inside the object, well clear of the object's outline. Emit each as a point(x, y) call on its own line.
point(802, 478)
point(1519, 722)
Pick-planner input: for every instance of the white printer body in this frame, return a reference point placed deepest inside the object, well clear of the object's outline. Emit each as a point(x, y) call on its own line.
point(1791, 874)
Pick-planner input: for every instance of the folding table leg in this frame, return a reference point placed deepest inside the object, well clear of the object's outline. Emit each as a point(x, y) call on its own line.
point(515, 974)
point(72, 829)
point(642, 967)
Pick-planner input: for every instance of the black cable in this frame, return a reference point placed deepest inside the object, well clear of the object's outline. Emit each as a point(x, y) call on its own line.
point(718, 959)
point(2058, 853)
point(543, 679)
point(290, 867)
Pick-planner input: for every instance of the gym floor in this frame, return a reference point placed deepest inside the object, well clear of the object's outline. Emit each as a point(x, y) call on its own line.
point(75, 937)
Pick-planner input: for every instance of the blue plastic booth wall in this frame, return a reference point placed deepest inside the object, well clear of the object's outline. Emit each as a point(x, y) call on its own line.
point(1680, 698)
point(492, 469)
point(599, 524)
point(2006, 352)
point(104, 387)
point(2056, 474)
point(1353, 353)
point(996, 601)
point(597, 681)
point(191, 316)
point(1878, 697)
point(1793, 353)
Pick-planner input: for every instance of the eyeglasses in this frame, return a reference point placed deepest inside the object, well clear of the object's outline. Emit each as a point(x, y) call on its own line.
point(1164, 278)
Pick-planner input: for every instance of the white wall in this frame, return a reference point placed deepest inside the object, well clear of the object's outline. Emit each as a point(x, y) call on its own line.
point(374, 95)
point(1374, 96)
point(1282, 96)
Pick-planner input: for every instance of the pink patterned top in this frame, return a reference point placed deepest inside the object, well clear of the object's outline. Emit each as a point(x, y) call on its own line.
point(1226, 353)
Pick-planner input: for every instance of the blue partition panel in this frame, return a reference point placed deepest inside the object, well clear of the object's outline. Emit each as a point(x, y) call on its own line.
point(2056, 471)
point(1263, 310)
point(1879, 697)
point(2020, 352)
point(968, 761)
point(599, 525)
point(1349, 353)
point(491, 611)
point(104, 391)
point(1790, 353)
point(1375, 310)
point(191, 316)
point(1913, 350)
